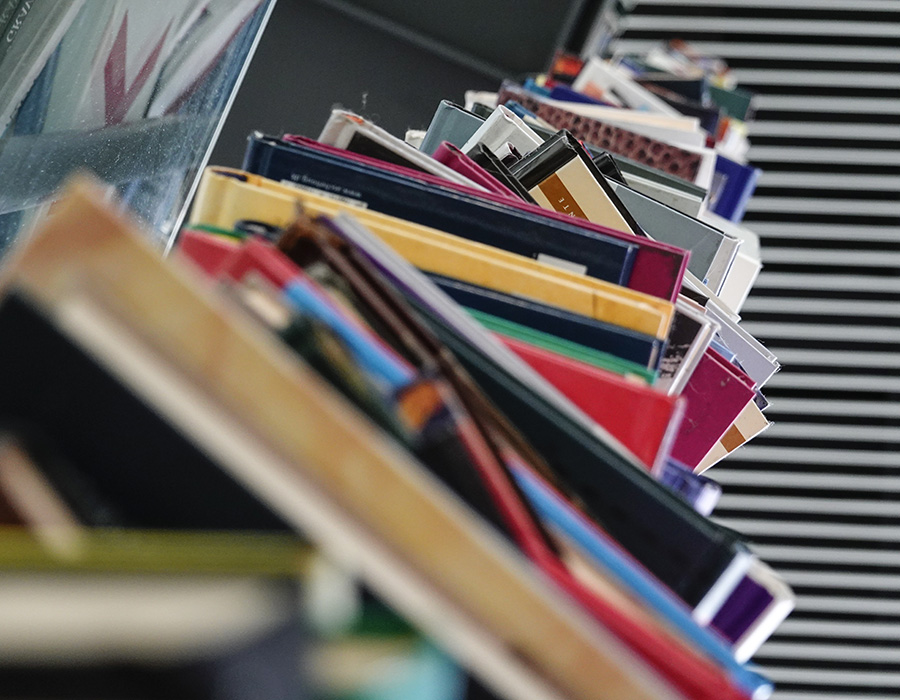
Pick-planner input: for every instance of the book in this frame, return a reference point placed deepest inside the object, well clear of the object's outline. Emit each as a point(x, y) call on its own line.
point(315, 467)
point(222, 200)
point(746, 266)
point(712, 250)
point(554, 509)
point(598, 78)
point(674, 160)
point(749, 423)
point(503, 127)
point(455, 159)
point(462, 214)
point(576, 351)
point(691, 334)
point(450, 123)
point(589, 464)
point(561, 176)
point(351, 132)
point(732, 187)
point(716, 394)
point(612, 401)
point(656, 268)
point(642, 349)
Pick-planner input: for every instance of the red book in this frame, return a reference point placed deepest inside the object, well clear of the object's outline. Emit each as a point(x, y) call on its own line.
point(262, 258)
point(454, 158)
point(206, 250)
point(644, 420)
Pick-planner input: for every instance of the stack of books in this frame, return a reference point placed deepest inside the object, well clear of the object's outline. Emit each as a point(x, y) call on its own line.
point(482, 367)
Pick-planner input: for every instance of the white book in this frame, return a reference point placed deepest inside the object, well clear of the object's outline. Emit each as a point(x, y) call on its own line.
point(501, 128)
point(599, 77)
point(746, 266)
point(670, 196)
point(343, 127)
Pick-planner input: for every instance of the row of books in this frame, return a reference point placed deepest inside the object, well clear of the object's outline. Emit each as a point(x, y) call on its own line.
point(483, 372)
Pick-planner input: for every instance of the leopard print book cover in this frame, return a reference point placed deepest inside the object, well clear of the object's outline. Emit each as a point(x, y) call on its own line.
point(642, 149)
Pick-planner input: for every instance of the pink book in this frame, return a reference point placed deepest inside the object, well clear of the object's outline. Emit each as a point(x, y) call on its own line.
point(716, 393)
point(454, 158)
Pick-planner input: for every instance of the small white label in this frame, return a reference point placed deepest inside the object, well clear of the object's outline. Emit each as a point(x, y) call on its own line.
point(330, 195)
point(566, 265)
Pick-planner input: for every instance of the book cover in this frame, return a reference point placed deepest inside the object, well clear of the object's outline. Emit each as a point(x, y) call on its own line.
point(642, 419)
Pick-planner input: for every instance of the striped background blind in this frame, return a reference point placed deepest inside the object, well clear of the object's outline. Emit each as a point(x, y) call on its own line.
point(819, 493)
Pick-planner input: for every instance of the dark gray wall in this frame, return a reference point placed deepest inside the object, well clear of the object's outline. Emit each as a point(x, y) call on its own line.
point(392, 69)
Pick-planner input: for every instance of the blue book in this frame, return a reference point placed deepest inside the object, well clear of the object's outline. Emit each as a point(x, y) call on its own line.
point(732, 186)
point(555, 511)
point(373, 358)
point(519, 110)
point(470, 216)
point(700, 491)
point(532, 86)
point(564, 93)
point(615, 340)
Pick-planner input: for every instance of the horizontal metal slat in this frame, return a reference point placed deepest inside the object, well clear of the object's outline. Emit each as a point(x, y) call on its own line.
point(793, 76)
point(833, 382)
point(831, 232)
point(810, 455)
point(847, 604)
point(837, 358)
point(811, 281)
point(844, 258)
point(822, 506)
point(833, 407)
point(816, 307)
point(842, 105)
point(778, 478)
point(850, 630)
point(827, 652)
point(806, 331)
point(806, 530)
point(812, 154)
point(807, 695)
point(840, 579)
point(829, 181)
point(767, 27)
point(774, 51)
point(858, 5)
point(826, 555)
point(824, 205)
point(828, 678)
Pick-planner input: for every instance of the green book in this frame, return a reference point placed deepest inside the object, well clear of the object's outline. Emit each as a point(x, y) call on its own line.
point(736, 103)
point(576, 351)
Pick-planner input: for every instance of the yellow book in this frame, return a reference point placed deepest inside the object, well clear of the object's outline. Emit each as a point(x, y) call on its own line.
point(226, 196)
